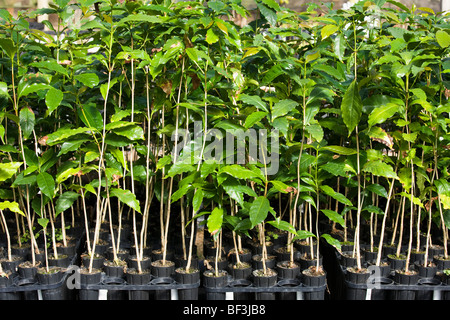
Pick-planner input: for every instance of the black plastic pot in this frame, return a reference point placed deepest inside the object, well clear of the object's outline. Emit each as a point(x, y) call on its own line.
point(405, 279)
point(11, 265)
point(286, 270)
point(310, 279)
point(428, 271)
point(441, 262)
point(135, 278)
point(87, 278)
point(5, 282)
point(239, 274)
point(159, 270)
point(306, 261)
point(211, 280)
point(305, 248)
point(191, 277)
point(115, 274)
point(53, 277)
point(63, 261)
point(97, 261)
point(22, 251)
point(352, 275)
point(245, 256)
point(396, 262)
point(145, 262)
point(258, 264)
point(262, 280)
point(347, 259)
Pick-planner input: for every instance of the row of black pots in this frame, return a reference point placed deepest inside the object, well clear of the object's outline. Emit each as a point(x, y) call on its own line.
point(259, 278)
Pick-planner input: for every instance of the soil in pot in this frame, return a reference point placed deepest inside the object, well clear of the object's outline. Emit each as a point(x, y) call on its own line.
point(190, 276)
point(314, 277)
point(133, 277)
point(213, 279)
point(263, 279)
point(356, 276)
point(87, 278)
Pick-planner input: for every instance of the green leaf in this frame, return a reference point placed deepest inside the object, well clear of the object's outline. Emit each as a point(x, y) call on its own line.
point(90, 116)
point(126, 197)
point(43, 222)
point(340, 150)
point(254, 118)
point(12, 206)
point(269, 14)
point(238, 172)
point(197, 200)
point(303, 234)
point(379, 168)
point(65, 201)
point(254, 101)
point(211, 37)
point(334, 216)
point(64, 133)
point(88, 79)
point(8, 46)
point(332, 241)
point(179, 168)
point(46, 184)
point(215, 220)
point(132, 132)
point(335, 195)
point(443, 38)
point(382, 113)
point(283, 225)
point(27, 88)
point(27, 121)
point(378, 190)
point(351, 107)
point(328, 30)
point(50, 65)
point(259, 209)
point(53, 99)
point(283, 107)
point(8, 169)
